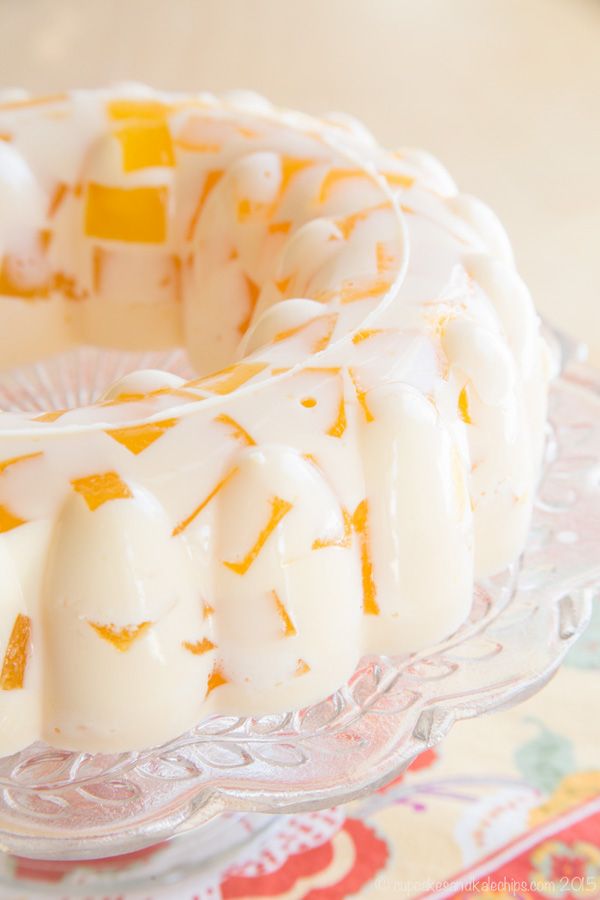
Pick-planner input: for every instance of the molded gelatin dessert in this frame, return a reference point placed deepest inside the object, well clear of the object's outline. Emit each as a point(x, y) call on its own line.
point(359, 437)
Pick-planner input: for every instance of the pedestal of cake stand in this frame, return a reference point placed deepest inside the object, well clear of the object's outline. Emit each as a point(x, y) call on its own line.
point(202, 855)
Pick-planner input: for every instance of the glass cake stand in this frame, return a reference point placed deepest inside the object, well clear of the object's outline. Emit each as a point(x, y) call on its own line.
point(135, 819)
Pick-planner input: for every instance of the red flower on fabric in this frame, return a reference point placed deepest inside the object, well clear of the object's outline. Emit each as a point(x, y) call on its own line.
point(568, 867)
point(370, 855)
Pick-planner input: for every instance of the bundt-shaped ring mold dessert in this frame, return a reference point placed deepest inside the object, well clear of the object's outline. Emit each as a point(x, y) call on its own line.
point(361, 441)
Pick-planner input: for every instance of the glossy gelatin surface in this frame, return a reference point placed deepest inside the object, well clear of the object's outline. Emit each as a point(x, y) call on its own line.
point(334, 428)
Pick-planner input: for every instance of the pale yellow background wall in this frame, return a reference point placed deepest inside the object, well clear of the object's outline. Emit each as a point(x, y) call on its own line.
point(506, 92)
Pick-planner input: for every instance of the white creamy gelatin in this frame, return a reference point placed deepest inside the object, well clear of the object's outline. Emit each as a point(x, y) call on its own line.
point(361, 441)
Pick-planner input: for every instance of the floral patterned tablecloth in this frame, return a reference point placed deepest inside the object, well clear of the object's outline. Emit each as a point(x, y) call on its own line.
point(508, 806)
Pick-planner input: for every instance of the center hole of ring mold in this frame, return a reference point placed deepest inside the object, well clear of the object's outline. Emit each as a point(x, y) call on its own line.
point(222, 225)
point(80, 376)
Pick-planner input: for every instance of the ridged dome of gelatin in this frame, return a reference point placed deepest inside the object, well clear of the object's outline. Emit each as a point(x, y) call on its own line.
point(358, 438)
